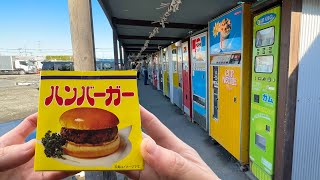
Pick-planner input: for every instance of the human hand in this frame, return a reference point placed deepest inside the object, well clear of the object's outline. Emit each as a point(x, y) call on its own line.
point(17, 156)
point(166, 156)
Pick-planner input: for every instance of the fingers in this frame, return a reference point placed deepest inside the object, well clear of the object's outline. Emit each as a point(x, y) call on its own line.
point(131, 174)
point(159, 132)
point(16, 155)
point(165, 162)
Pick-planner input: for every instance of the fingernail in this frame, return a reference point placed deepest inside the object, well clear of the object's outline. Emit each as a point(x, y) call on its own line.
point(151, 146)
point(29, 145)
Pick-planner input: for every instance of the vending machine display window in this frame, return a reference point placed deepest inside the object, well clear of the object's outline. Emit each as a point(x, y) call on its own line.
point(265, 37)
point(201, 101)
point(263, 64)
point(174, 60)
point(260, 142)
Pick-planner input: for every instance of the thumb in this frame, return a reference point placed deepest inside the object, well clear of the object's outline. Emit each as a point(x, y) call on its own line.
point(165, 162)
point(16, 155)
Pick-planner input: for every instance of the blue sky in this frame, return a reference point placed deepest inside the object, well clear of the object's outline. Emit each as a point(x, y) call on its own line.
point(33, 23)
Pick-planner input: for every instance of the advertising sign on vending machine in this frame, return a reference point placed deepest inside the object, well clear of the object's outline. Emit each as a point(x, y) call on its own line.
point(199, 79)
point(229, 80)
point(264, 92)
point(186, 79)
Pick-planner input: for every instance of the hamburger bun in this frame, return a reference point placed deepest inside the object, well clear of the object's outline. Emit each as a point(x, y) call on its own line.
point(90, 150)
point(88, 119)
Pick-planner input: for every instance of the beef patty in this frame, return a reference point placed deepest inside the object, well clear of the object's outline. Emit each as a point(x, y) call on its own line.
point(89, 136)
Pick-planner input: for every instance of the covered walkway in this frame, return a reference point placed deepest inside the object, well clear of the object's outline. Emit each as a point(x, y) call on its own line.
point(219, 160)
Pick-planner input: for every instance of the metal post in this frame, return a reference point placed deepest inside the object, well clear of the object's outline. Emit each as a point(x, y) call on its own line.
point(115, 51)
point(121, 58)
point(125, 54)
point(82, 35)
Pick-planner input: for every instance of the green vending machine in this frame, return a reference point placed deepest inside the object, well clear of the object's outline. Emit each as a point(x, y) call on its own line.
point(264, 92)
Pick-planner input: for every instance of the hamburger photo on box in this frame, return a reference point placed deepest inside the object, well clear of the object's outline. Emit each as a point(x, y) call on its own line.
point(88, 121)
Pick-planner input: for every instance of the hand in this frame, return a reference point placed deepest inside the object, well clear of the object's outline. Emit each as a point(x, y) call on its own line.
point(166, 156)
point(17, 156)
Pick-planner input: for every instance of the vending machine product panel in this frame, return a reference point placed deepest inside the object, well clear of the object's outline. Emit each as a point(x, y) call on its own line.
point(229, 80)
point(199, 79)
point(186, 79)
point(266, 32)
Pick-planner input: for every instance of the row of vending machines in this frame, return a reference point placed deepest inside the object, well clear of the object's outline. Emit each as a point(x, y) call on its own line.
point(226, 79)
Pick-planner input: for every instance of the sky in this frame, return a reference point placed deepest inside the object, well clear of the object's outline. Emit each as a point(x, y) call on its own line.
point(43, 27)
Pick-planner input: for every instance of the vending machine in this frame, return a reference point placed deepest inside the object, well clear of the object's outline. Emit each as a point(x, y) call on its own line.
point(160, 72)
point(150, 68)
point(264, 93)
point(186, 79)
point(230, 49)
point(199, 79)
point(155, 70)
point(180, 82)
point(165, 68)
point(175, 75)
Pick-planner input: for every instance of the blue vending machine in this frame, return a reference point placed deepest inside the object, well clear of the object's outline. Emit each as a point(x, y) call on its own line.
point(199, 79)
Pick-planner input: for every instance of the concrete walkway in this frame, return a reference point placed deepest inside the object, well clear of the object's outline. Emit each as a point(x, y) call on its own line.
point(219, 160)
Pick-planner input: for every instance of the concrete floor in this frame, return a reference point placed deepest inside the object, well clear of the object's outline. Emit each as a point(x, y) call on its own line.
point(219, 160)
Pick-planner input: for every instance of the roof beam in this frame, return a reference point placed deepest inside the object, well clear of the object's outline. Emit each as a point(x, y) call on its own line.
point(138, 49)
point(146, 51)
point(147, 37)
point(132, 22)
point(105, 6)
point(150, 45)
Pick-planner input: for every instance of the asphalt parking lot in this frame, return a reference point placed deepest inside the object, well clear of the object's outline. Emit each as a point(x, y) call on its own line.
point(18, 96)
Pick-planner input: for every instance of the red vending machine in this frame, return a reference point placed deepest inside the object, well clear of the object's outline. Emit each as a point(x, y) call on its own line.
point(186, 79)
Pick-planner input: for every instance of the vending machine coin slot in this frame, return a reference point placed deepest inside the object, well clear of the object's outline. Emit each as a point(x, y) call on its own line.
point(256, 98)
point(267, 128)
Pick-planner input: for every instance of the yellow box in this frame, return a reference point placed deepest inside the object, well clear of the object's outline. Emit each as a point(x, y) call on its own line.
point(88, 121)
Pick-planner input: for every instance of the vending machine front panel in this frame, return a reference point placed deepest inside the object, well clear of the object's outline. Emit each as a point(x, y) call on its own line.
point(160, 72)
point(199, 79)
point(264, 92)
point(165, 70)
point(186, 79)
point(229, 80)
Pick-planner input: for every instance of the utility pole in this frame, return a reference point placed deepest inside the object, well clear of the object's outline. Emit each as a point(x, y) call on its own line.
point(84, 54)
point(82, 35)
